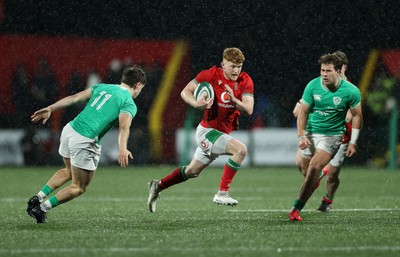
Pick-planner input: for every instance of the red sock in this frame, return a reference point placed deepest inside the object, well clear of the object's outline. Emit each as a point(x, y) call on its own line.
point(327, 200)
point(325, 171)
point(229, 172)
point(176, 177)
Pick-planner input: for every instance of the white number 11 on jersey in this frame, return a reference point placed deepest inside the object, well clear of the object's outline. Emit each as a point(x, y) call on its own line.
point(105, 99)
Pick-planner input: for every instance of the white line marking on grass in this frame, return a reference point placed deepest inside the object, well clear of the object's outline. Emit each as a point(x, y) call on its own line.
point(73, 250)
point(309, 210)
point(382, 248)
point(193, 250)
point(84, 199)
point(183, 199)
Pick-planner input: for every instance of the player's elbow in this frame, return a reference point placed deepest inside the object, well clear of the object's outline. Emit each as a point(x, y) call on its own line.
point(185, 94)
point(249, 111)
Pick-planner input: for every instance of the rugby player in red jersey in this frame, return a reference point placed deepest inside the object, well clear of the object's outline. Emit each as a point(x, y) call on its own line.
point(234, 91)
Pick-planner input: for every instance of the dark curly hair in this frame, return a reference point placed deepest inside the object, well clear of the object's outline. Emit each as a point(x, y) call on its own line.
point(331, 59)
point(133, 75)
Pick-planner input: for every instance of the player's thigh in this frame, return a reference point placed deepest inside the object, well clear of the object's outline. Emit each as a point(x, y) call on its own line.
point(320, 159)
point(305, 162)
point(67, 163)
point(81, 177)
point(66, 134)
point(234, 146)
point(84, 153)
point(212, 142)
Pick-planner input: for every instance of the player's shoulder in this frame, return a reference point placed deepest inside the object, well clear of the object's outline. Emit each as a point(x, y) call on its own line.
point(316, 82)
point(212, 71)
point(102, 86)
point(245, 79)
point(245, 76)
point(350, 85)
point(351, 89)
point(208, 74)
point(113, 89)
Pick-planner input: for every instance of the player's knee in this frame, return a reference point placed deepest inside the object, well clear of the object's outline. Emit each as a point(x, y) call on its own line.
point(315, 168)
point(80, 189)
point(242, 152)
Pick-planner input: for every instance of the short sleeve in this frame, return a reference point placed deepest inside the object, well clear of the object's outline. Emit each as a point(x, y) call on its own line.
point(307, 98)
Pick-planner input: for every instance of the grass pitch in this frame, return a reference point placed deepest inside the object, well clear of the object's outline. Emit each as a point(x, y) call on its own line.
point(112, 218)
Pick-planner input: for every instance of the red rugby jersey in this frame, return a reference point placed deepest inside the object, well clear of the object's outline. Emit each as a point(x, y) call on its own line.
point(223, 115)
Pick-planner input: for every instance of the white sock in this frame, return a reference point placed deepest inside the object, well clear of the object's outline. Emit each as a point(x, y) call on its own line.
point(45, 206)
point(41, 195)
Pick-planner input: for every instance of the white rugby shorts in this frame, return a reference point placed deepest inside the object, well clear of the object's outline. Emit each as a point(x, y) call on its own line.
point(329, 144)
point(84, 152)
point(211, 143)
point(338, 159)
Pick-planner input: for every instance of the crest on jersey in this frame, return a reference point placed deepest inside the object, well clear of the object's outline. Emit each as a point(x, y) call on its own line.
point(236, 86)
point(337, 100)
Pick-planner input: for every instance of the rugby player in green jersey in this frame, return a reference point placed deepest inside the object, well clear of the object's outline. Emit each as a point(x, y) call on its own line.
point(321, 131)
point(332, 170)
point(107, 105)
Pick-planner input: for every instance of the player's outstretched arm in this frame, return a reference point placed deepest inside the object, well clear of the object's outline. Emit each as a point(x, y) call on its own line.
point(45, 113)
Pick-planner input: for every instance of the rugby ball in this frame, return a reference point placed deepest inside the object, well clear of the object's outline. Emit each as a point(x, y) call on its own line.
point(203, 89)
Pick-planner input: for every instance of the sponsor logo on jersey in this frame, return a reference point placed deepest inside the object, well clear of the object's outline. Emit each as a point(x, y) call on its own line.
point(317, 97)
point(322, 113)
point(227, 106)
point(225, 97)
point(204, 145)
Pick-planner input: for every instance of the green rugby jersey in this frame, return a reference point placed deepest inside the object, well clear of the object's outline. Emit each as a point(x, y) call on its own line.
point(329, 108)
point(101, 112)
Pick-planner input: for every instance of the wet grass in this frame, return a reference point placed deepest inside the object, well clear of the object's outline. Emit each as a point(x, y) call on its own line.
point(112, 218)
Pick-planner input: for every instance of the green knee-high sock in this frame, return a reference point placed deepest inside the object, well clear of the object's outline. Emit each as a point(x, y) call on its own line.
point(48, 204)
point(46, 190)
